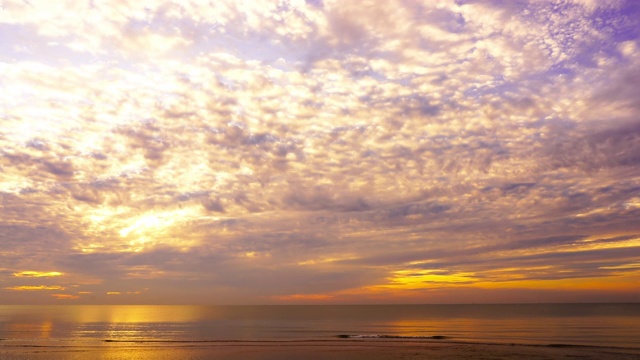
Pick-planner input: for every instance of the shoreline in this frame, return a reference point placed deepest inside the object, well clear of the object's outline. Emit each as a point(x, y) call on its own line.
point(374, 349)
point(339, 339)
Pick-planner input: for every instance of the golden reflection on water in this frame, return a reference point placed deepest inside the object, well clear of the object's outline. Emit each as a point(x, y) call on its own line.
point(431, 327)
point(131, 322)
point(27, 330)
point(45, 329)
point(136, 314)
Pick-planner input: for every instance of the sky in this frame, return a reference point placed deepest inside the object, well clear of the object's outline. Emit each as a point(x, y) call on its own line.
point(319, 151)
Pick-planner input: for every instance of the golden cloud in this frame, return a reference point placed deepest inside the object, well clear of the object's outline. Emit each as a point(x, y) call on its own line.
point(37, 274)
point(34, 288)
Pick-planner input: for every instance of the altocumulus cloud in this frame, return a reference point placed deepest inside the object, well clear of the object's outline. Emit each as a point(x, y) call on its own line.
point(277, 151)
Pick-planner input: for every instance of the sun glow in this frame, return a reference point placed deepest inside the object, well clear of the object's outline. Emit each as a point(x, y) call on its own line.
point(149, 222)
point(121, 231)
point(159, 221)
point(154, 228)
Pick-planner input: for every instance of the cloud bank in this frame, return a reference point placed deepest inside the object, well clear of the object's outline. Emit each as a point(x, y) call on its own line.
point(292, 151)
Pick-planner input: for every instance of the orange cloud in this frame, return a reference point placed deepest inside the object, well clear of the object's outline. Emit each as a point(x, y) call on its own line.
point(304, 297)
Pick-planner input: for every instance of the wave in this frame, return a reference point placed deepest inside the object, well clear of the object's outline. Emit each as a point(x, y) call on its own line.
point(434, 337)
point(83, 344)
point(195, 341)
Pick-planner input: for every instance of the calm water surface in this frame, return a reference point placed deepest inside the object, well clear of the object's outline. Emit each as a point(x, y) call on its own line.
point(585, 324)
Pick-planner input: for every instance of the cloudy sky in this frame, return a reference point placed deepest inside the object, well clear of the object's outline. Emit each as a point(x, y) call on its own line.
point(319, 151)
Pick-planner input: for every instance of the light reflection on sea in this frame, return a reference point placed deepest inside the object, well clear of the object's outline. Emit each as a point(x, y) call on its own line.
point(579, 324)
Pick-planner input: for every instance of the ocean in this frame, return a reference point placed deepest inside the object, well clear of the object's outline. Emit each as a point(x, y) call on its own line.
point(615, 325)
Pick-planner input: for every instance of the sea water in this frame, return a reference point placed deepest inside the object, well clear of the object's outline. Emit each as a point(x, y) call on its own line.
point(571, 324)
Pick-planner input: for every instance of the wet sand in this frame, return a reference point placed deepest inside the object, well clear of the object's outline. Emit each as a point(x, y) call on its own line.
point(314, 350)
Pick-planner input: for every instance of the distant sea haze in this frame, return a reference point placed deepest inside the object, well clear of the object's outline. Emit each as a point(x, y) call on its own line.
point(558, 324)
